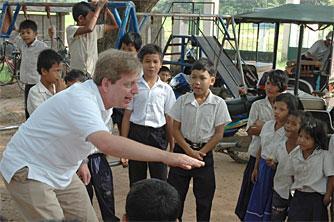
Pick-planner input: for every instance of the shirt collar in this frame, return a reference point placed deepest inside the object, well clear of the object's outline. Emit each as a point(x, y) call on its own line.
point(43, 89)
point(159, 82)
point(32, 44)
point(97, 94)
point(191, 98)
point(301, 157)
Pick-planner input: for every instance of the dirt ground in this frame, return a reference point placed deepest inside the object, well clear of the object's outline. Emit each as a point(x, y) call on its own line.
point(228, 172)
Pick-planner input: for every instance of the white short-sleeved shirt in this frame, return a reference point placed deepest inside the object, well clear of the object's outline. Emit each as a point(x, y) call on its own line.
point(282, 180)
point(319, 50)
point(331, 145)
point(37, 95)
point(53, 141)
point(310, 175)
point(83, 48)
point(270, 138)
point(29, 56)
point(198, 122)
point(260, 110)
point(150, 105)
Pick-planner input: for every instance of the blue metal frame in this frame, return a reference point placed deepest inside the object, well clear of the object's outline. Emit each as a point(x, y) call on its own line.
point(5, 6)
point(128, 24)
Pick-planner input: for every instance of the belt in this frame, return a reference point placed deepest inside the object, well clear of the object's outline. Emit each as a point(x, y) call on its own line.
point(195, 146)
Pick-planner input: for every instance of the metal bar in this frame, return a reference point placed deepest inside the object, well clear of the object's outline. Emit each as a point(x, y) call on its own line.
point(238, 52)
point(257, 42)
point(298, 67)
point(8, 128)
point(276, 44)
point(193, 15)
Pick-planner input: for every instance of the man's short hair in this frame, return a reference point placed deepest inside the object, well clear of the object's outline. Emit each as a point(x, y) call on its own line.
point(205, 65)
point(113, 63)
point(28, 24)
point(132, 38)
point(152, 200)
point(81, 8)
point(150, 49)
point(46, 59)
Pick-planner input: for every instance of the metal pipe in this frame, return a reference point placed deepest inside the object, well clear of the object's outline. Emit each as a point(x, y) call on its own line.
point(8, 128)
point(298, 67)
point(275, 44)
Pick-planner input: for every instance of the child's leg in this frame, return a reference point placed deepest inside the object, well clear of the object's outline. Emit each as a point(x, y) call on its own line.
point(204, 189)
point(180, 180)
point(279, 208)
point(102, 180)
point(246, 189)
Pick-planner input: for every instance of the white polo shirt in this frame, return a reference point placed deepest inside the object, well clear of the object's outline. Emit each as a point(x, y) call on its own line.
point(150, 105)
point(37, 95)
point(198, 122)
point(83, 48)
point(310, 175)
point(270, 138)
point(260, 110)
point(29, 56)
point(319, 50)
point(282, 180)
point(52, 142)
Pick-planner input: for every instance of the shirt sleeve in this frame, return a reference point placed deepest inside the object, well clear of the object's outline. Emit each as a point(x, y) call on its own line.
point(175, 111)
point(222, 114)
point(99, 29)
point(70, 32)
point(253, 115)
point(34, 100)
point(314, 48)
point(170, 100)
point(331, 145)
point(328, 163)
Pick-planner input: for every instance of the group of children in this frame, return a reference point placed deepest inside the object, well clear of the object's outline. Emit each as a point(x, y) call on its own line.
point(287, 152)
point(289, 173)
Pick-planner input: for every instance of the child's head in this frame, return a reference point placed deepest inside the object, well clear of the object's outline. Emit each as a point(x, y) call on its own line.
point(80, 11)
point(202, 76)
point(312, 134)
point(277, 82)
point(285, 103)
point(293, 123)
point(28, 31)
point(152, 200)
point(150, 56)
point(49, 65)
point(74, 76)
point(131, 42)
point(165, 74)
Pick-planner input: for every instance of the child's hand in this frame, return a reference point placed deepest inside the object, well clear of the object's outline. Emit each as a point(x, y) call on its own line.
point(101, 3)
point(327, 199)
point(124, 162)
point(60, 85)
point(254, 175)
point(197, 154)
point(271, 163)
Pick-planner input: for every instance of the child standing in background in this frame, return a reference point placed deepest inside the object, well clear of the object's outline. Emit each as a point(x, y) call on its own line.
point(165, 74)
point(146, 120)
point(261, 112)
point(272, 133)
point(311, 167)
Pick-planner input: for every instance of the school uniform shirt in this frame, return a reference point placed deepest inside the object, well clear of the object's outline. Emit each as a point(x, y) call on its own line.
point(83, 48)
point(282, 180)
point(198, 122)
point(331, 145)
point(270, 138)
point(53, 142)
point(150, 105)
point(260, 110)
point(29, 56)
point(310, 175)
point(37, 95)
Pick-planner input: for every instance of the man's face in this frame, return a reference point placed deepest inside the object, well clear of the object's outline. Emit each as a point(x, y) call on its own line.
point(120, 93)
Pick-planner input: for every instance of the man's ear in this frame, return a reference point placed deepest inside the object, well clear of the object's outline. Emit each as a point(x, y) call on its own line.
point(104, 83)
point(213, 80)
point(44, 72)
point(125, 218)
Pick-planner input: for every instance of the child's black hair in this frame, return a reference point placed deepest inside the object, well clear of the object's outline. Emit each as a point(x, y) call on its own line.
point(149, 49)
point(317, 130)
point(132, 38)
point(289, 99)
point(165, 69)
point(28, 24)
point(81, 8)
point(75, 75)
point(278, 78)
point(205, 65)
point(46, 59)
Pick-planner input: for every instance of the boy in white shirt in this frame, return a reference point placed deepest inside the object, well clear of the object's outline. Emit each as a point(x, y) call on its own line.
point(82, 37)
point(199, 120)
point(145, 119)
point(49, 66)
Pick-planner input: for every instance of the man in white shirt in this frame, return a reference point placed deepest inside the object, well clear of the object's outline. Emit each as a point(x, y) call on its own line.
point(40, 162)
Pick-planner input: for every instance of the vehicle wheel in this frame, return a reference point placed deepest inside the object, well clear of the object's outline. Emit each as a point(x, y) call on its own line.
point(239, 157)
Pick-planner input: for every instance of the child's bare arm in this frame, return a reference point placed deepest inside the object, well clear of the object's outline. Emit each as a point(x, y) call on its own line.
point(110, 18)
point(215, 139)
point(169, 130)
point(183, 144)
point(89, 27)
point(329, 190)
point(126, 123)
point(256, 166)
